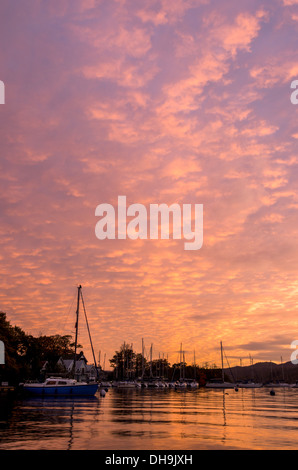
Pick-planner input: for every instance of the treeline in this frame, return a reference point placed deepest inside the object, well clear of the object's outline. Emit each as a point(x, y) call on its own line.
point(26, 354)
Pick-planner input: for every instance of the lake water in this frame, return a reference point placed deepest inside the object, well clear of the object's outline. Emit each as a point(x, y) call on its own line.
point(154, 420)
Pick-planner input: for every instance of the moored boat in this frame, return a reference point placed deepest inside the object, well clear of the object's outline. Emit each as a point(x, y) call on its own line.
point(191, 383)
point(220, 384)
point(277, 385)
point(57, 386)
point(126, 384)
point(249, 385)
point(181, 384)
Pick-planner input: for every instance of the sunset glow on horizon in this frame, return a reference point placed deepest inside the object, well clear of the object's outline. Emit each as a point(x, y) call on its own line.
point(164, 102)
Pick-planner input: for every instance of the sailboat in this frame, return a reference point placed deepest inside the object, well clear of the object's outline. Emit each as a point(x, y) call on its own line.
point(250, 383)
point(277, 383)
point(193, 383)
point(217, 383)
point(59, 386)
point(181, 383)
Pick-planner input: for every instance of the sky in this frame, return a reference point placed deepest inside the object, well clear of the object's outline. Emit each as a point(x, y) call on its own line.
point(164, 102)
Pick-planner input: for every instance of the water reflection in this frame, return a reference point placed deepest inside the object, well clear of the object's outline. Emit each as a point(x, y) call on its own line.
point(48, 422)
point(154, 419)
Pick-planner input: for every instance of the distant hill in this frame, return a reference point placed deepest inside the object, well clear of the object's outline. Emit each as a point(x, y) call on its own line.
point(264, 372)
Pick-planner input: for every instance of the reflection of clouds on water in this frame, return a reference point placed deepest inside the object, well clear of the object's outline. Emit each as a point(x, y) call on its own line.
point(155, 419)
point(51, 423)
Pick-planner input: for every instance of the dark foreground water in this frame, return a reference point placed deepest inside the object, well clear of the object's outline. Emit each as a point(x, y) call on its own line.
point(154, 420)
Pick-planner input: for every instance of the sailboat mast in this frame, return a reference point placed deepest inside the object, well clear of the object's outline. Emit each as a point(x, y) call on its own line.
point(87, 324)
point(180, 361)
point(282, 369)
point(222, 367)
point(151, 373)
point(143, 363)
point(77, 327)
point(194, 364)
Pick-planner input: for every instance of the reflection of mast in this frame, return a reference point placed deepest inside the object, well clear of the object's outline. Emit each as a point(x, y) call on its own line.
point(224, 407)
point(95, 414)
point(70, 442)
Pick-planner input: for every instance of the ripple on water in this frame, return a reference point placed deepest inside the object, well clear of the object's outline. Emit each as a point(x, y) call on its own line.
point(155, 419)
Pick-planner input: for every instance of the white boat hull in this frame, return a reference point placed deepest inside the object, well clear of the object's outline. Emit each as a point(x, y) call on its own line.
point(250, 385)
point(220, 385)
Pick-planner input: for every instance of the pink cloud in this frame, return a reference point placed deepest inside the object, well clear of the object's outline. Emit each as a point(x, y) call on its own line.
point(166, 102)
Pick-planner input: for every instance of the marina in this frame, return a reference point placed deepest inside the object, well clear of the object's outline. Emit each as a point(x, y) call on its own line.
point(146, 403)
point(125, 366)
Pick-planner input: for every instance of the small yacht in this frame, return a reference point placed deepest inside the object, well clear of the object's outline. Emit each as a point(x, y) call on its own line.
point(249, 385)
point(193, 384)
point(152, 384)
point(58, 386)
point(180, 384)
point(220, 384)
point(126, 384)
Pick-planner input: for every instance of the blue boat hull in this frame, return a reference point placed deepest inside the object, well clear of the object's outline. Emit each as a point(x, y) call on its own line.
point(68, 390)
